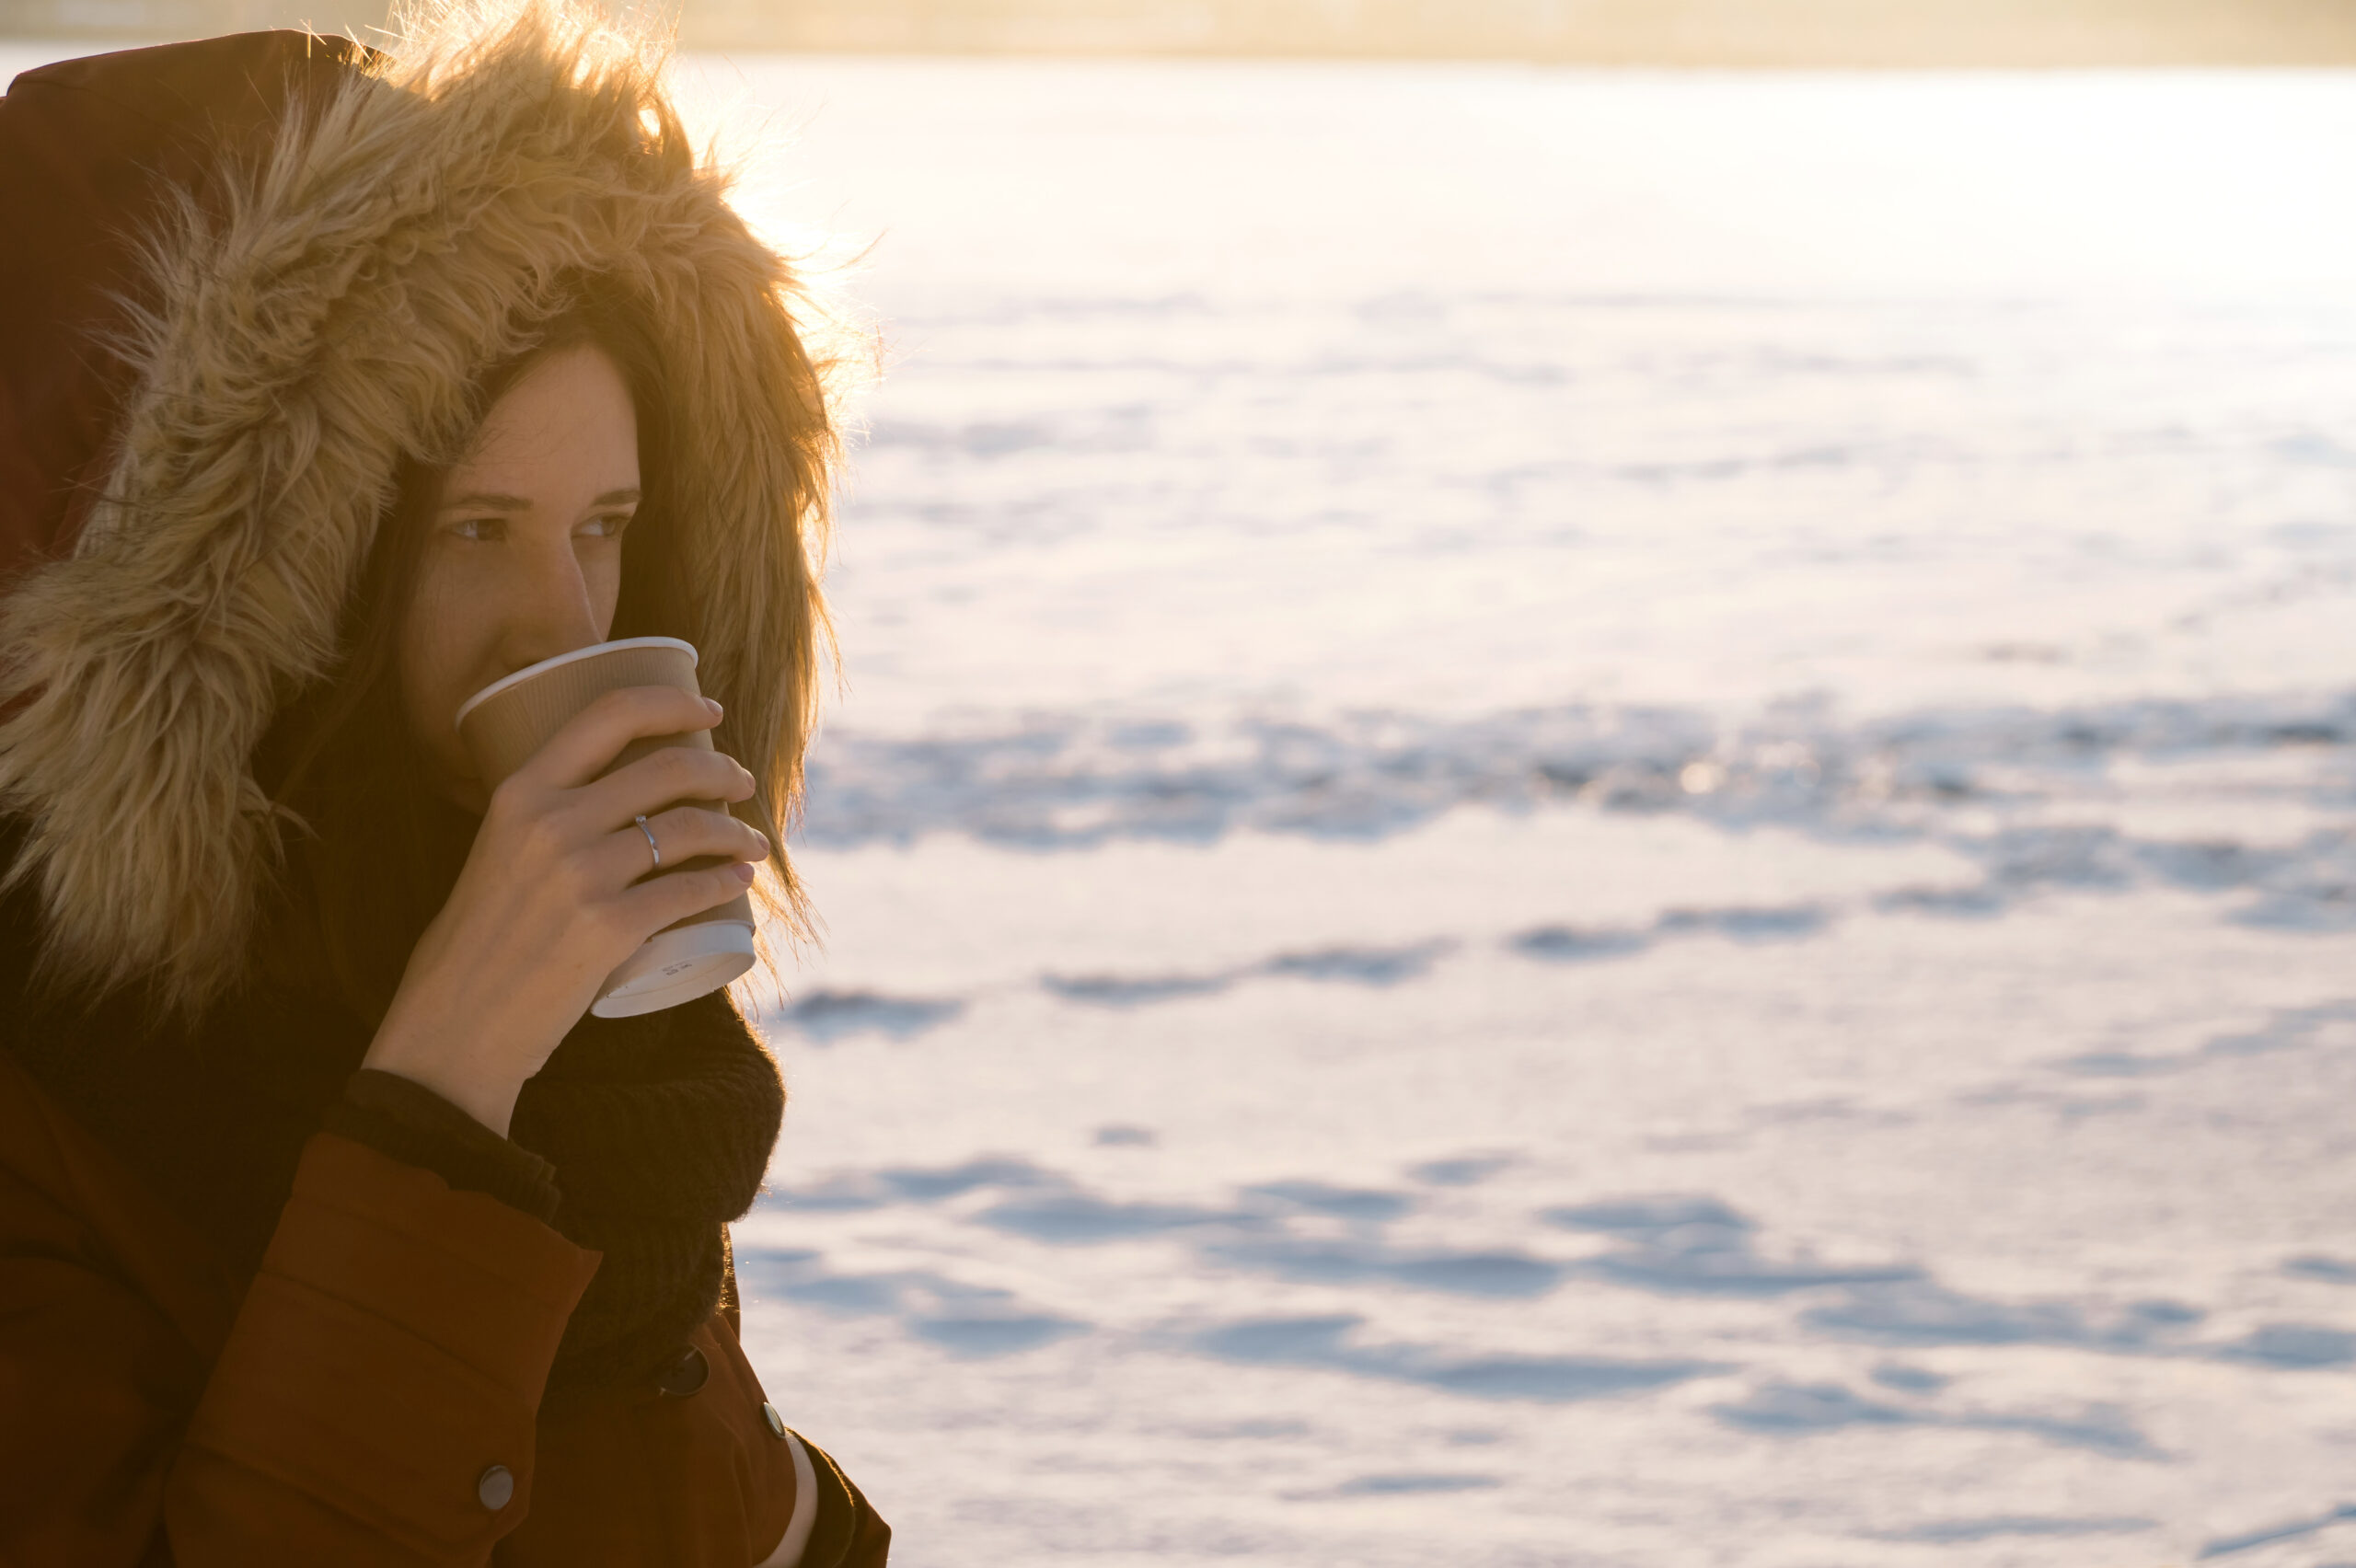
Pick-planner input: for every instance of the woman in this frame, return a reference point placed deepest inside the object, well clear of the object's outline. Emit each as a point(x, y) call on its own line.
point(334, 385)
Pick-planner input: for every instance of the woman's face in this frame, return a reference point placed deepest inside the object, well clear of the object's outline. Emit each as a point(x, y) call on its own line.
point(525, 557)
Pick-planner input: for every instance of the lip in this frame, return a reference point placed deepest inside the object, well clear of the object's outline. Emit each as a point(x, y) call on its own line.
point(527, 672)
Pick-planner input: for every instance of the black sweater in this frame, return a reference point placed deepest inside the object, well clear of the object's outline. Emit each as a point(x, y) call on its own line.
point(642, 1137)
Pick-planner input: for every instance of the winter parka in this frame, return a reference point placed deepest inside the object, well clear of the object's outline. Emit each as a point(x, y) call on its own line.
point(240, 281)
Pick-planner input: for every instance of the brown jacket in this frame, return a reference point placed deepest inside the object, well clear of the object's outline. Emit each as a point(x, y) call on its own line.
point(346, 1406)
point(242, 282)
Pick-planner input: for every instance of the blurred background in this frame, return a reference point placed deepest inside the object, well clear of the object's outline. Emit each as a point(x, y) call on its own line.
point(1596, 799)
point(1673, 32)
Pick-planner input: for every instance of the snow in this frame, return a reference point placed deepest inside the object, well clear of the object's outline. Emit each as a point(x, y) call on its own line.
point(1581, 818)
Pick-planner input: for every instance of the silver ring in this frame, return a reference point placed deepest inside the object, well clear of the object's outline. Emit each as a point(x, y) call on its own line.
point(653, 848)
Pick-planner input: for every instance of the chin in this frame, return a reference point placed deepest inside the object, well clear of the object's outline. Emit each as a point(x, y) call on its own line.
point(463, 791)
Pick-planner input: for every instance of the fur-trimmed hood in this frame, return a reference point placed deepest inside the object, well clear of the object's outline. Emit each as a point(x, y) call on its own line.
point(302, 321)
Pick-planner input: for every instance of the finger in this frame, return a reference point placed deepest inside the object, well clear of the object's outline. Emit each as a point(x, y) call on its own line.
point(659, 780)
point(678, 836)
point(592, 738)
point(665, 901)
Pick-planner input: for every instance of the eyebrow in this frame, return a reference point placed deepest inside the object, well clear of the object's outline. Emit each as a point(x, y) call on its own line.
point(490, 500)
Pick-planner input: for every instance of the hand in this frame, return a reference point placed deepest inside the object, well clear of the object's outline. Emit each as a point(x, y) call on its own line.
point(551, 900)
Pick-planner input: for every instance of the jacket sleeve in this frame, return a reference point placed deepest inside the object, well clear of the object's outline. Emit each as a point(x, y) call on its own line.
point(386, 1367)
point(849, 1532)
point(703, 1475)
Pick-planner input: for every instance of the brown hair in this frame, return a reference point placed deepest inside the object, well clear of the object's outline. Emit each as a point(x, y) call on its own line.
point(372, 848)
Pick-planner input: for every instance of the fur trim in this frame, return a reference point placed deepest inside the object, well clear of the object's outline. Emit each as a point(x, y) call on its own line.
point(326, 319)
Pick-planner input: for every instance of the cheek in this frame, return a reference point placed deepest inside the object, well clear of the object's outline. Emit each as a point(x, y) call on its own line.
point(439, 655)
point(602, 574)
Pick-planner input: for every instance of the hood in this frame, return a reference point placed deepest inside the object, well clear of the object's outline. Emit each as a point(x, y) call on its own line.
point(304, 302)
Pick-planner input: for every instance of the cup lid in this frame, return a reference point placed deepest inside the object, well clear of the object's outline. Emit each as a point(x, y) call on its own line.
point(592, 651)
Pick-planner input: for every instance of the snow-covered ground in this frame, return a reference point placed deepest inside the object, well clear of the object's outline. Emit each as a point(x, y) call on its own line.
point(1582, 819)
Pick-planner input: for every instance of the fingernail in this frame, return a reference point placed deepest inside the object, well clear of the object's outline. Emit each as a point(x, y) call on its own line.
point(713, 705)
point(744, 871)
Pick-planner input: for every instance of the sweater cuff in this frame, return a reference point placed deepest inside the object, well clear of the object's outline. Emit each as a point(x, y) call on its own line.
point(403, 1120)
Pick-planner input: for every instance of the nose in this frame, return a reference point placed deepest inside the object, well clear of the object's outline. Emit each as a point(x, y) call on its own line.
point(550, 609)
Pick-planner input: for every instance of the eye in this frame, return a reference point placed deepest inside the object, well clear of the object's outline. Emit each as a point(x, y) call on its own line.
point(481, 530)
point(609, 526)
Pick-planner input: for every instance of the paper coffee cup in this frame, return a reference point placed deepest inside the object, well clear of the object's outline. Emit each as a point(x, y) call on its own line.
point(509, 719)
